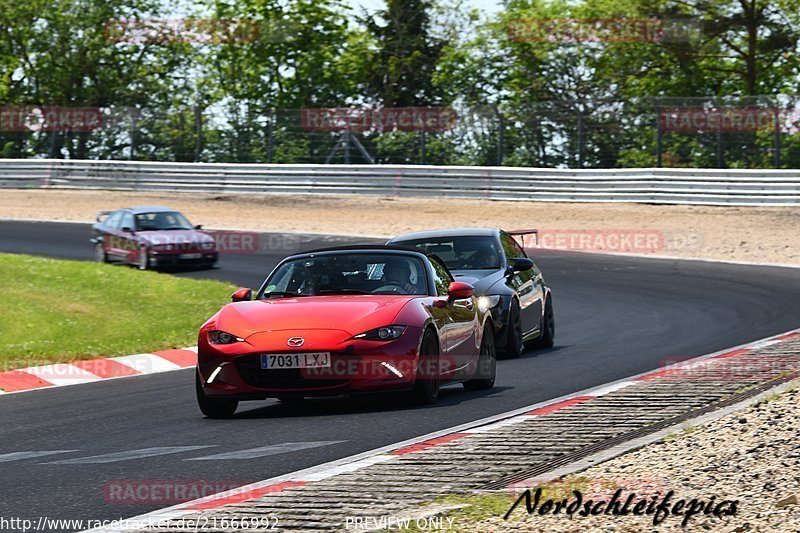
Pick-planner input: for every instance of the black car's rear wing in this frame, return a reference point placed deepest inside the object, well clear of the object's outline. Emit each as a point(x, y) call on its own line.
point(101, 215)
point(522, 233)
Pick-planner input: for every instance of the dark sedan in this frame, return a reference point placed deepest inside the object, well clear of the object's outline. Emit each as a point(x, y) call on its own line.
point(151, 236)
point(506, 281)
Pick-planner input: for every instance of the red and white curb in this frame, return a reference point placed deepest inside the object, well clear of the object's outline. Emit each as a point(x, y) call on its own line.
point(426, 442)
point(89, 371)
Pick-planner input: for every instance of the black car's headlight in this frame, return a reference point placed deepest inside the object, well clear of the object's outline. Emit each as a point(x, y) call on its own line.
point(216, 336)
point(487, 302)
point(386, 333)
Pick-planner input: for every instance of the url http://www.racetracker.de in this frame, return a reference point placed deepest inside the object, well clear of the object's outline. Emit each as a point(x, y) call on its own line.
point(44, 523)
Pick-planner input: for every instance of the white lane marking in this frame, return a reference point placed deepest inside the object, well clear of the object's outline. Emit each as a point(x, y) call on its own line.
point(602, 391)
point(128, 455)
point(764, 344)
point(501, 424)
point(146, 363)
point(351, 467)
point(190, 348)
point(61, 374)
point(272, 449)
point(18, 456)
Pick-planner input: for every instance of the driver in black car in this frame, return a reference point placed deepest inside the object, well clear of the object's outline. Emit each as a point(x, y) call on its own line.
point(476, 255)
point(398, 273)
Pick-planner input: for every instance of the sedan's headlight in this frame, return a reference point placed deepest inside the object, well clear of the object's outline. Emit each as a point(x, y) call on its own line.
point(222, 337)
point(386, 333)
point(487, 302)
point(207, 246)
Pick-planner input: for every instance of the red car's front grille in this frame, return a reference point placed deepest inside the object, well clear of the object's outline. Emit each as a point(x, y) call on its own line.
point(249, 367)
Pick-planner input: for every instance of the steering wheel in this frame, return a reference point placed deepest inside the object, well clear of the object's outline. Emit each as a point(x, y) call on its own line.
point(392, 286)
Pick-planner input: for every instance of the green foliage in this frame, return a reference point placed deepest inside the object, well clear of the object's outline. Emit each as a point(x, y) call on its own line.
point(526, 91)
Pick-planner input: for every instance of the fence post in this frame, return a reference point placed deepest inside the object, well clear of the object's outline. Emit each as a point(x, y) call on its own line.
point(581, 140)
point(132, 116)
point(777, 143)
point(198, 125)
point(271, 134)
point(659, 136)
point(423, 144)
point(501, 136)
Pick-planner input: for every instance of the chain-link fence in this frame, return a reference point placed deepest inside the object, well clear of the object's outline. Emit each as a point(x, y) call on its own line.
point(720, 132)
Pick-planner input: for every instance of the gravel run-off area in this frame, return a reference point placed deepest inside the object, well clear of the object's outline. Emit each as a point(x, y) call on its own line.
point(750, 456)
point(753, 234)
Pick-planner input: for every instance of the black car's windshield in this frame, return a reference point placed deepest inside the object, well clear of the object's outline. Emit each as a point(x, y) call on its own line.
point(478, 252)
point(348, 273)
point(162, 220)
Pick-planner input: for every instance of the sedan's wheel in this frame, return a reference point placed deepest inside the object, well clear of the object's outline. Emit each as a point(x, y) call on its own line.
point(426, 386)
point(548, 327)
point(144, 260)
point(100, 254)
point(514, 344)
point(213, 407)
point(487, 364)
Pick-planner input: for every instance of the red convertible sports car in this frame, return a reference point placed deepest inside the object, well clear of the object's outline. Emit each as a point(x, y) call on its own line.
point(345, 321)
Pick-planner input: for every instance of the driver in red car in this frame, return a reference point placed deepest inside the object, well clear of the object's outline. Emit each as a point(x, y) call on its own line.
point(398, 273)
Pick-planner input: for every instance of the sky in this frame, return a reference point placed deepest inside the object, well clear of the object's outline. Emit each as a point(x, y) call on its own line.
point(487, 6)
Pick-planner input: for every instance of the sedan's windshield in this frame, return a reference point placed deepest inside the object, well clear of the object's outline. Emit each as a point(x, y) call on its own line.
point(347, 273)
point(163, 220)
point(460, 253)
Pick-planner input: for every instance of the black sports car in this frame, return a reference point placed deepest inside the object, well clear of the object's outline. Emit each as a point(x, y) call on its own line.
point(506, 281)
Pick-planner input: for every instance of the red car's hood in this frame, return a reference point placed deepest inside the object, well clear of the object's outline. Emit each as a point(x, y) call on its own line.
point(348, 313)
point(179, 237)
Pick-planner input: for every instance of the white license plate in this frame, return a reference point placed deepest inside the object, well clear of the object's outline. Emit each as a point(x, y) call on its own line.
point(191, 256)
point(295, 360)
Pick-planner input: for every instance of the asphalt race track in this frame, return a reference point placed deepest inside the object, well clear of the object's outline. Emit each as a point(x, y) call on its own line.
point(615, 317)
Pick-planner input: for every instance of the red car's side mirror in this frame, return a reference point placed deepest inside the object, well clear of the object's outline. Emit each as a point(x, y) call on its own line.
point(242, 295)
point(458, 290)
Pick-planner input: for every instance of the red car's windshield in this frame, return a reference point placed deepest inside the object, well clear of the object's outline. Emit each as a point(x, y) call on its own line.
point(163, 220)
point(348, 274)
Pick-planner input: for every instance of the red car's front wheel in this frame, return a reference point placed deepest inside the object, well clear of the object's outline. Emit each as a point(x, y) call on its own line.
point(213, 407)
point(426, 386)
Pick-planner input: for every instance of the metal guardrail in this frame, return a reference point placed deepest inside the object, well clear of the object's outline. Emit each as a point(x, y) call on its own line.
point(665, 186)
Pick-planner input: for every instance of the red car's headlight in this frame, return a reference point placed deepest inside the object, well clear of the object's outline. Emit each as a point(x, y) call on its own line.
point(216, 336)
point(386, 333)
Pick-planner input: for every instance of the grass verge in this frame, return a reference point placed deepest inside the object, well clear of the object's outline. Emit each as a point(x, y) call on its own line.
point(56, 311)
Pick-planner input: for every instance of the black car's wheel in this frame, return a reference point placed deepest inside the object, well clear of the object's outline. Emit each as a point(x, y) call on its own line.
point(548, 327)
point(487, 364)
point(426, 386)
point(213, 407)
point(143, 262)
point(99, 253)
point(514, 344)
